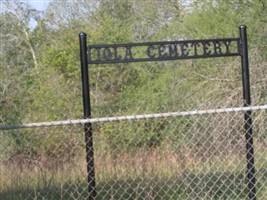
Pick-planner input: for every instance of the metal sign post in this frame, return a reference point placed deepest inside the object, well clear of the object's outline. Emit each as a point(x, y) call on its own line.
point(248, 115)
point(87, 114)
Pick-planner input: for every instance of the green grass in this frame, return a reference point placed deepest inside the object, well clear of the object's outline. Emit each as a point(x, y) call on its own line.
point(144, 174)
point(152, 188)
point(190, 184)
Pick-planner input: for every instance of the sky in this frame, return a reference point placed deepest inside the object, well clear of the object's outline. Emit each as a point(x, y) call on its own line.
point(38, 5)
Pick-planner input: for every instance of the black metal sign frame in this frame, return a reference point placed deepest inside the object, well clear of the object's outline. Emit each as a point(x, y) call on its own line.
point(164, 51)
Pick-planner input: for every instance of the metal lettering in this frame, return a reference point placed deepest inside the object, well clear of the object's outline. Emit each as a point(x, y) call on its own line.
point(128, 53)
point(116, 56)
point(107, 54)
point(195, 45)
point(98, 54)
point(149, 51)
point(162, 51)
point(217, 48)
point(184, 49)
point(206, 48)
point(156, 51)
point(227, 44)
point(173, 51)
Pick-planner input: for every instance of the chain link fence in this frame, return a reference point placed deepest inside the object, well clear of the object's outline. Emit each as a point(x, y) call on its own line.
point(190, 155)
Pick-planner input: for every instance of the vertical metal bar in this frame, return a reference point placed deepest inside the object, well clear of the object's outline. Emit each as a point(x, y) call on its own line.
point(87, 114)
point(248, 115)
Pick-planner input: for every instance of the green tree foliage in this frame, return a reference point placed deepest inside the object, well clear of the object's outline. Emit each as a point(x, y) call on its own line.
point(210, 18)
point(18, 58)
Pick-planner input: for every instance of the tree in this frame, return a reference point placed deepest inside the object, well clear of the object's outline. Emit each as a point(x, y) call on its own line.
point(18, 16)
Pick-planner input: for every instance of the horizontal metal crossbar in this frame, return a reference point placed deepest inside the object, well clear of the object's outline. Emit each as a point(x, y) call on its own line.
point(132, 117)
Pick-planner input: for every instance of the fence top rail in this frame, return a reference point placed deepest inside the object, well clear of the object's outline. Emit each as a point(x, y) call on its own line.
point(133, 117)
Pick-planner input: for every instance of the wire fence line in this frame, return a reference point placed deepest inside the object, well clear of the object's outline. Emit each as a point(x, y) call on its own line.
point(180, 155)
point(132, 117)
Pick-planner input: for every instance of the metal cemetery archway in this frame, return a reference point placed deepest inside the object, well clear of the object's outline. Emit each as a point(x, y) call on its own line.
point(162, 51)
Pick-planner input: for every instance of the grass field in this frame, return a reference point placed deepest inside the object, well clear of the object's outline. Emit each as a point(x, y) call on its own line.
point(141, 176)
